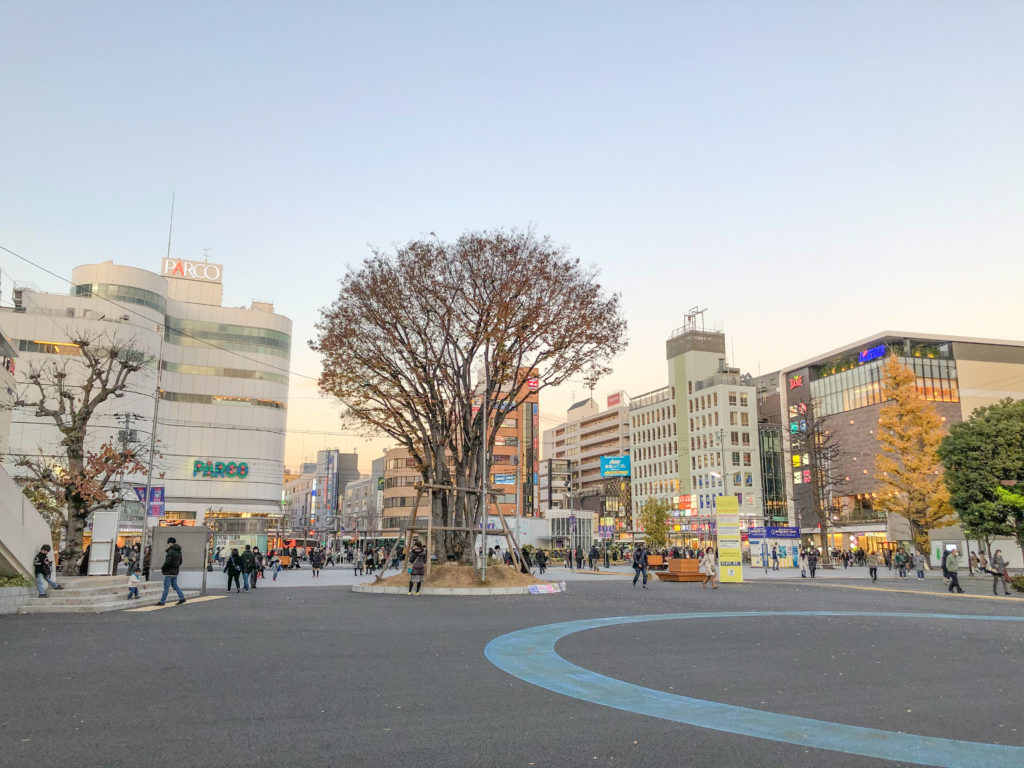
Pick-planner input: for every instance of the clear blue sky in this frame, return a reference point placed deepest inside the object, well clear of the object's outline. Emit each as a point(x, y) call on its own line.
point(697, 152)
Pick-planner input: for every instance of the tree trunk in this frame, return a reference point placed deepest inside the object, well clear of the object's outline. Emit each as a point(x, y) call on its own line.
point(73, 545)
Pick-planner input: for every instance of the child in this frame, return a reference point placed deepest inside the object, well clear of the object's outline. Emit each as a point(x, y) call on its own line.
point(277, 567)
point(134, 579)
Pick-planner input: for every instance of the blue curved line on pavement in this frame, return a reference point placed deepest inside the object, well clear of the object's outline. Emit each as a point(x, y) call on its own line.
point(529, 654)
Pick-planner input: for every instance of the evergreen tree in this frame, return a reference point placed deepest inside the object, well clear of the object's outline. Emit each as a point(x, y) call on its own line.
point(654, 519)
point(978, 454)
point(909, 433)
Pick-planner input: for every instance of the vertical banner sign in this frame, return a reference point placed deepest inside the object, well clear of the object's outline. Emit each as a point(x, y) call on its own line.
point(730, 546)
point(156, 499)
point(536, 457)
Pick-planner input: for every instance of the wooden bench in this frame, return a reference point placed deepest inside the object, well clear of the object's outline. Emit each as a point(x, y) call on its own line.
point(656, 563)
point(682, 569)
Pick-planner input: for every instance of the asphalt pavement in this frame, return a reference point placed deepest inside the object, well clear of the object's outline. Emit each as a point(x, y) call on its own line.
point(294, 676)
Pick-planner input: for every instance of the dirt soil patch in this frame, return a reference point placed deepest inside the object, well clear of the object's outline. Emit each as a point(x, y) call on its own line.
point(452, 575)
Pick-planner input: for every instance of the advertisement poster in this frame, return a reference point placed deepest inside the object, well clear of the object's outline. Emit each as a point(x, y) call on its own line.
point(615, 466)
point(730, 545)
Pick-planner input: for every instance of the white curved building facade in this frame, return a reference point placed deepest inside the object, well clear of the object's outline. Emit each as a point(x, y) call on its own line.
point(223, 381)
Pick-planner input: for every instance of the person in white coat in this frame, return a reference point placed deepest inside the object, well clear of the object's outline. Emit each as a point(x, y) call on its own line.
point(709, 568)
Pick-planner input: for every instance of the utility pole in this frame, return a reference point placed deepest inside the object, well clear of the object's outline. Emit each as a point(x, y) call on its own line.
point(126, 436)
point(152, 447)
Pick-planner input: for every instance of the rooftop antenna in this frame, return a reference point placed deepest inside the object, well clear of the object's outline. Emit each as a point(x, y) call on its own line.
point(692, 317)
point(206, 254)
point(170, 229)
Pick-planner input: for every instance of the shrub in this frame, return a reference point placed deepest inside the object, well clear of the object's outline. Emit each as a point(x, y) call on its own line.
point(1018, 582)
point(14, 581)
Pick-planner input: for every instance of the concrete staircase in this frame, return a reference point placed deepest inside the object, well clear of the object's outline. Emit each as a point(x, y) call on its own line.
point(97, 594)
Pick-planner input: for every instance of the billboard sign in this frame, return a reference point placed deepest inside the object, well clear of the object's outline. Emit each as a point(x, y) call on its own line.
point(615, 466)
point(505, 479)
point(614, 400)
point(730, 542)
point(192, 270)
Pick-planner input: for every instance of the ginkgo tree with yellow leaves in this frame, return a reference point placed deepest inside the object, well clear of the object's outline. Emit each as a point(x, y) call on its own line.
point(907, 465)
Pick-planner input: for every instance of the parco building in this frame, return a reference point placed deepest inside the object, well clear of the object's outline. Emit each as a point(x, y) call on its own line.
point(221, 373)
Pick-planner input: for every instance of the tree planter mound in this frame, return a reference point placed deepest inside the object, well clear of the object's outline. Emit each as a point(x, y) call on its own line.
point(465, 576)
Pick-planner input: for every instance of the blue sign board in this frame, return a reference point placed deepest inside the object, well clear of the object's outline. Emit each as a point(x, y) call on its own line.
point(615, 466)
point(867, 355)
point(505, 479)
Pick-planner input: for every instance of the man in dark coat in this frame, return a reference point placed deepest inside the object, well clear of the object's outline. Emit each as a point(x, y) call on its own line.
point(249, 568)
point(43, 570)
point(172, 563)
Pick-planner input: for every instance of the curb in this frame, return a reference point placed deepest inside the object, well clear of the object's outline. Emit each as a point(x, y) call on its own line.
point(481, 591)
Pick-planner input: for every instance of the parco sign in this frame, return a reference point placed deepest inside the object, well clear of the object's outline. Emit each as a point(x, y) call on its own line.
point(224, 469)
point(192, 270)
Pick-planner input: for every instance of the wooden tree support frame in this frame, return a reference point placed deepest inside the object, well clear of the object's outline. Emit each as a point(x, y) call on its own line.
point(411, 528)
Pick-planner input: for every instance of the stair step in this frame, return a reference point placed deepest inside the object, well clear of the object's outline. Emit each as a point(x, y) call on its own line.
point(54, 605)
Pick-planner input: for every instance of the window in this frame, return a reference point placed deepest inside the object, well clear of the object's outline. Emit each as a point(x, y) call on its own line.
point(744, 419)
point(748, 480)
point(746, 459)
point(736, 458)
point(743, 399)
point(746, 438)
point(716, 418)
point(734, 438)
point(732, 418)
point(716, 398)
point(732, 398)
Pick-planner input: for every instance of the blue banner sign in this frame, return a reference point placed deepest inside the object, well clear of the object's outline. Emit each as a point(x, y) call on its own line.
point(867, 355)
point(615, 466)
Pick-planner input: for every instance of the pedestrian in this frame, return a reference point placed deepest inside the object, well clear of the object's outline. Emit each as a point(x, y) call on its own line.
point(259, 564)
point(812, 561)
point(368, 558)
point(83, 564)
point(639, 564)
point(316, 562)
point(972, 558)
point(43, 567)
point(218, 557)
point(275, 564)
point(919, 564)
point(593, 556)
point(134, 580)
point(146, 560)
point(873, 561)
point(117, 560)
point(357, 567)
point(417, 566)
point(900, 560)
point(579, 558)
point(709, 569)
point(170, 568)
point(775, 557)
point(998, 571)
point(248, 560)
point(542, 560)
point(233, 567)
point(952, 566)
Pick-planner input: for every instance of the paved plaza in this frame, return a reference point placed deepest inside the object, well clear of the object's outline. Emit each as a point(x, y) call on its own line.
point(300, 676)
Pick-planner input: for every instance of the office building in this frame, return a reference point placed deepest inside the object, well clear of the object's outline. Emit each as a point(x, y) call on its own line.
point(223, 383)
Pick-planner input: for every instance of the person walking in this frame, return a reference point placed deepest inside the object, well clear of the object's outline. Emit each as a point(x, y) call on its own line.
point(593, 556)
point(983, 563)
point(233, 567)
point(542, 560)
point(248, 567)
point(43, 567)
point(972, 558)
point(775, 557)
point(639, 564)
point(998, 570)
point(417, 566)
point(709, 568)
point(952, 566)
point(919, 564)
point(873, 563)
point(146, 560)
point(170, 568)
point(134, 580)
point(316, 562)
point(579, 558)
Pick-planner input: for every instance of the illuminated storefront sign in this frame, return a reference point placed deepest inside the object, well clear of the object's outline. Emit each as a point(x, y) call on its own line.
point(224, 469)
point(192, 270)
point(796, 381)
point(874, 353)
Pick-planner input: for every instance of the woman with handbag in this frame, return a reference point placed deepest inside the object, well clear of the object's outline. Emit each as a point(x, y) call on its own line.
point(708, 567)
point(417, 565)
point(233, 567)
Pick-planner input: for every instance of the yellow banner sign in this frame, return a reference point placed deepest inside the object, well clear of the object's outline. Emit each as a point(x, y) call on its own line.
point(730, 545)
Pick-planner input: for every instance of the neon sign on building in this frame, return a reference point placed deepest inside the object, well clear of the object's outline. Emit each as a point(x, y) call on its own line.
point(223, 469)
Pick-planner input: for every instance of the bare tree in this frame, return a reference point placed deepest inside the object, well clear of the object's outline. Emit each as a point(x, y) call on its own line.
point(433, 343)
point(68, 391)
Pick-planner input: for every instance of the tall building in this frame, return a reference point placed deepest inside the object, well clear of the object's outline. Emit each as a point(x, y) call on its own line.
point(223, 385)
point(364, 499)
point(587, 439)
point(839, 393)
point(334, 471)
point(514, 464)
point(697, 439)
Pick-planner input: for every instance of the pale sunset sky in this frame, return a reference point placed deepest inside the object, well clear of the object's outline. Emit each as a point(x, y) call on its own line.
point(811, 172)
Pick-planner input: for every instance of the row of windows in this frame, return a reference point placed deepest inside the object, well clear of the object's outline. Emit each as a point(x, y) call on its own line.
point(702, 460)
point(237, 338)
point(402, 482)
point(704, 420)
point(711, 401)
point(657, 487)
point(189, 397)
point(657, 433)
point(746, 459)
point(862, 386)
point(670, 467)
point(126, 294)
point(49, 347)
point(739, 479)
point(653, 451)
point(660, 414)
point(213, 370)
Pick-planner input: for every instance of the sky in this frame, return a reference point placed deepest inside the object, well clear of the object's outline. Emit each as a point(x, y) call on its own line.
point(811, 173)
